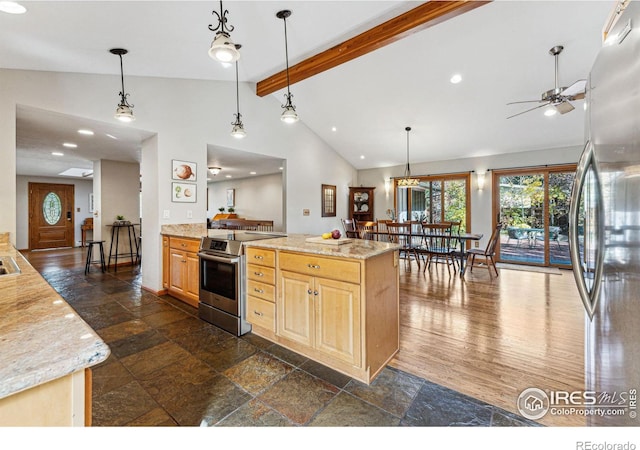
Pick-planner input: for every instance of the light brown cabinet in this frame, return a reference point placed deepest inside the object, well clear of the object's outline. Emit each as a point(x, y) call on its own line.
point(181, 269)
point(261, 289)
point(340, 312)
point(361, 204)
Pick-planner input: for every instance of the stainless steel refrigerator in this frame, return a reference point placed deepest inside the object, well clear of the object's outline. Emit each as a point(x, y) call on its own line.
point(605, 226)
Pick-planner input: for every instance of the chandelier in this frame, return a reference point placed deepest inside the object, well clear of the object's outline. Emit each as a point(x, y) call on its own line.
point(407, 181)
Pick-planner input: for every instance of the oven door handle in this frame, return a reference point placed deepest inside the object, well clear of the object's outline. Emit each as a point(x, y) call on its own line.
point(221, 259)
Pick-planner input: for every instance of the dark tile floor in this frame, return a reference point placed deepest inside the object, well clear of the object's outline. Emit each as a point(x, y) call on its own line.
point(169, 368)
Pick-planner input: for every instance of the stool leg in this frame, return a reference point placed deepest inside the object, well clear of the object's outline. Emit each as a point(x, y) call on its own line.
point(102, 264)
point(88, 264)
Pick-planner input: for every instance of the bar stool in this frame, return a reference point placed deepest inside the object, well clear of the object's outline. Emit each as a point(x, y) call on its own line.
point(90, 244)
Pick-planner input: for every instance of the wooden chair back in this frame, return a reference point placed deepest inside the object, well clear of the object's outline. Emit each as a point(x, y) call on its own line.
point(366, 230)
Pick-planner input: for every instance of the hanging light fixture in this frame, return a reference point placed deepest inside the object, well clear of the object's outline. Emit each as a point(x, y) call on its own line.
point(222, 48)
point(407, 181)
point(124, 111)
point(214, 170)
point(238, 128)
point(289, 114)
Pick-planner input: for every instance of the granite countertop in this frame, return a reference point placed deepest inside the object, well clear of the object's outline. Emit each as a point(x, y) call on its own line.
point(356, 249)
point(41, 337)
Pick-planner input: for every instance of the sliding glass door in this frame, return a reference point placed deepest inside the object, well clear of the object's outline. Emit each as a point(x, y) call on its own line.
point(533, 206)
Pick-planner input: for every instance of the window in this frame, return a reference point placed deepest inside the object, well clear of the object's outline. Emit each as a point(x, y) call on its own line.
point(441, 198)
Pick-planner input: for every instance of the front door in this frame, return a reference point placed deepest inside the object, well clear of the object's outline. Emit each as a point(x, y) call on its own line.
point(51, 223)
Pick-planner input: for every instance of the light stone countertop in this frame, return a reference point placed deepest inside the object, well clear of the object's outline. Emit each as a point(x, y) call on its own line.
point(356, 249)
point(42, 338)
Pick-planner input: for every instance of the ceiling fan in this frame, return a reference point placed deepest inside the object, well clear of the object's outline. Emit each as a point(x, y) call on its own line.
point(558, 97)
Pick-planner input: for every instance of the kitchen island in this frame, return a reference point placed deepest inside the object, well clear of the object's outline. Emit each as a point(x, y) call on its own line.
point(335, 304)
point(46, 351)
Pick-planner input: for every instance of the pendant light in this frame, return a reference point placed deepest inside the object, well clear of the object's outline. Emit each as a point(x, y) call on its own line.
point(407, 181)
point(124, 111)
point(222, 48)
point(238, 128)
point(289, 114)
point(214, 170)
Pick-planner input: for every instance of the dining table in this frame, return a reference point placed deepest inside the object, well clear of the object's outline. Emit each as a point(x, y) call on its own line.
point(462, 238)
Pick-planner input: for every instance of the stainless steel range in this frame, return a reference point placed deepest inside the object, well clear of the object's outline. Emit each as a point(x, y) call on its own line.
point(223, 300)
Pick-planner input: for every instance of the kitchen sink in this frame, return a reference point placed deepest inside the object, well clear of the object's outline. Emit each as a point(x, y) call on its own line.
point(8, 266)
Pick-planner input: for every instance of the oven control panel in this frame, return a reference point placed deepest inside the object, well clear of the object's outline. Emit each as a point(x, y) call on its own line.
point(219, 246)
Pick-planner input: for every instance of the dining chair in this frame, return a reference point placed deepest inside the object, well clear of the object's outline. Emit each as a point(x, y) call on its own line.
point(488, 253)
point(349, 226)
point(367, 230)
point(400, 233)
point(438, 246)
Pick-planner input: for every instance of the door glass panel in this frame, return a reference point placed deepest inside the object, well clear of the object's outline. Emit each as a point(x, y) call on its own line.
point(521, 203)
point(455, 202)
point(52, 208)
point(560, 184)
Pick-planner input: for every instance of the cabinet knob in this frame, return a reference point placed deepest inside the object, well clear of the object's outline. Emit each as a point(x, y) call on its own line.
point(315, 292)
point(309, 291)
point(258, 274)
point(260, 291)
point(313, 266)
point(259, 257)
point(258, 313)
point(184, 260)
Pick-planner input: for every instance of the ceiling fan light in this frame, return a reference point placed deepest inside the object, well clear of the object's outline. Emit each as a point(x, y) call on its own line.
point(289, 115)
point(550, 111)
point(124, 113)
point(223, 49)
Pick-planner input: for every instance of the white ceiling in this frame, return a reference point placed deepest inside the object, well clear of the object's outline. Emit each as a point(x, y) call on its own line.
point(501, 50)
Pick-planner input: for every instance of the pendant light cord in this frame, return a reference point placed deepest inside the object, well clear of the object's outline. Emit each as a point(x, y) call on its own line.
point(122, 79)
point(237, 92)
point(286, 53)
point(407, 171)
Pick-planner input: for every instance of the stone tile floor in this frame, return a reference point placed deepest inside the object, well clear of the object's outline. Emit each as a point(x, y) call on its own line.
point(169, 368)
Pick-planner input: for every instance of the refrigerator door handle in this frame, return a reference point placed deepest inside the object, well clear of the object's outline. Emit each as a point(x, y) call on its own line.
point(588, 295)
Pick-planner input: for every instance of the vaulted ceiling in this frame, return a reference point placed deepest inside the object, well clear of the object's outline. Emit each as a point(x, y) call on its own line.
point(361, 107)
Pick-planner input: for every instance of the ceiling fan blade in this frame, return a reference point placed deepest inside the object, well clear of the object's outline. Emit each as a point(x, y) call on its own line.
point(525, 101)
point(578, 96)
point(564, 107)
point(575, 89)
point(540, 106)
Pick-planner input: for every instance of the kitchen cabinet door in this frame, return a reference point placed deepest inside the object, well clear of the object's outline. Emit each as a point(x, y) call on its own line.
point(337, 319)
point(295, 310)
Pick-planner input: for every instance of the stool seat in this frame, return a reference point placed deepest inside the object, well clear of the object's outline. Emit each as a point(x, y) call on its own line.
point(90, 244)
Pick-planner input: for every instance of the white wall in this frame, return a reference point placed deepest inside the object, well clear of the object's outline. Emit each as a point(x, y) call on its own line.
point(257, 198)
point(182, 133)
point(82, 189)
point(481, 213)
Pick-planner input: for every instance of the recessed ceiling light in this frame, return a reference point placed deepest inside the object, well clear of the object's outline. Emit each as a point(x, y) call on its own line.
point(228, 176)
point(70, 145)
point(86, 132)
point(334, 129)
point(252, 173)
point(361, 156)
point(57, 153)
point(280, 168)
point(12, 8)
point(456, 78)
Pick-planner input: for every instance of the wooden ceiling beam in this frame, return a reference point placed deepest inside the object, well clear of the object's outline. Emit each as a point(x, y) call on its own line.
point(413, 21)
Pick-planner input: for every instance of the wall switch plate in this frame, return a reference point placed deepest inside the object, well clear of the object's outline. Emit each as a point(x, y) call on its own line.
point(305, 212)
point(189, 214)
point(78, 209)
point(165, 214)
point(477, 244)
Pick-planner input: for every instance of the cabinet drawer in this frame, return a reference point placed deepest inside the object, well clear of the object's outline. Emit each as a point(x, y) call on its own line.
point(319, 266)
point(261, 256)
point(262, 290)
point(189, 245)
point(261, 313)
point(261, 273)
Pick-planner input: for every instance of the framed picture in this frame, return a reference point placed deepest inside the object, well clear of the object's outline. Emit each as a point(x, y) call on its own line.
point(183, 192)
point(91, 207)
point(183, 170)
point(328, 200)
point(231, 197)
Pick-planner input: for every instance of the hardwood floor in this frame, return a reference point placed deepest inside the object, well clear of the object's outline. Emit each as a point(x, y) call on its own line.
point(491, 338)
